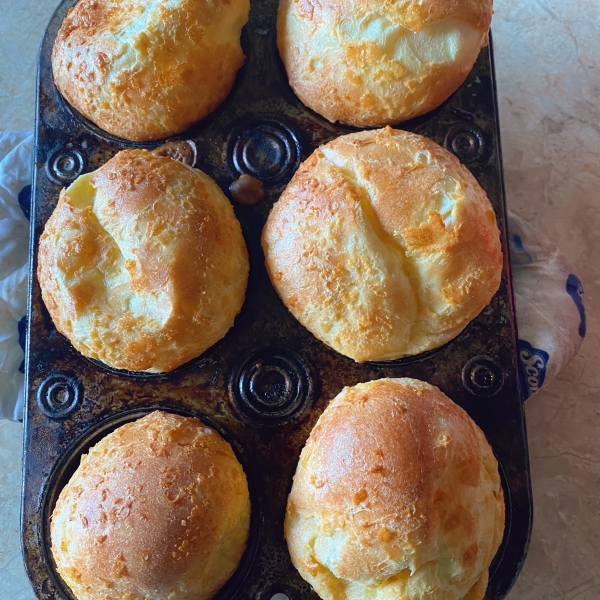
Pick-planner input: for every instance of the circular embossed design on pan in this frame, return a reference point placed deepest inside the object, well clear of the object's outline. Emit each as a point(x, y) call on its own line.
point(59, 394)
point(268, 151)
point(482, 376)
point(271, 386)
point(466, 142)
point(65, 165)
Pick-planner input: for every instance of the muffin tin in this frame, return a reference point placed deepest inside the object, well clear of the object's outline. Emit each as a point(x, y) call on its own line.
point(265, 384)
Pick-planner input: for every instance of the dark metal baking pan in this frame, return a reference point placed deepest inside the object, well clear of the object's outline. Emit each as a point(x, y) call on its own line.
point(265, 384)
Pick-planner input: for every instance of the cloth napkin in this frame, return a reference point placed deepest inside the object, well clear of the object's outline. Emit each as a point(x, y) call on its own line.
point(548, 293)
point(16, 153)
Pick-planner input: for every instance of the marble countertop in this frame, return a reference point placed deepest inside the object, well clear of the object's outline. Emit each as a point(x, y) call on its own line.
point(548, 75)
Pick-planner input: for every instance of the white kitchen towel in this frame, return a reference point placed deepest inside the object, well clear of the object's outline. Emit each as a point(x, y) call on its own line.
point(16, 152)
point(548, 294)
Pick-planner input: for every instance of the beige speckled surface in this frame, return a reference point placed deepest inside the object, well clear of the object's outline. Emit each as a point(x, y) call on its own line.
point(548, 69)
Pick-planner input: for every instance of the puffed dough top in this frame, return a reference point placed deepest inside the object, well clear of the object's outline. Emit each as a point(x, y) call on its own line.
point(148, 69)
point(383, 245)
point(396, 496)
point(142, 264)
point(380, 62)
point(157, 510)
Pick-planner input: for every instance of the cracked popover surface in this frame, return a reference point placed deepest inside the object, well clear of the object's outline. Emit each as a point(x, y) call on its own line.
point(142, 264)
point(397, 494)
point(148, 69)
point(378, 62)
point(383, 245)
point(159, 509)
